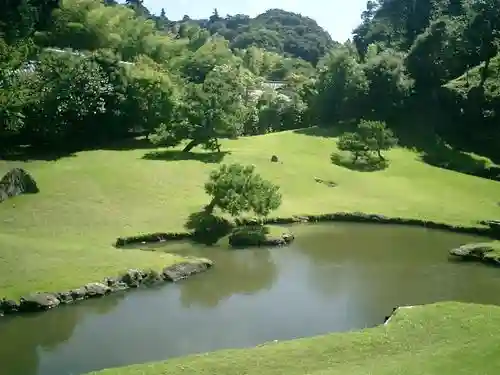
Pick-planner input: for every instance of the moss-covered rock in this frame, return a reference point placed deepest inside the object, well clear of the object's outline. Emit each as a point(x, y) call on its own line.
point(259, 235)
point(488, 252)
point(97, 290)
point(38, 302)
point(183, 270)
point(16, 182)
point(8, 306)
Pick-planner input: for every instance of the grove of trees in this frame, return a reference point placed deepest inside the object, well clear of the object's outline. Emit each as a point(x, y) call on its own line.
point(76, 73)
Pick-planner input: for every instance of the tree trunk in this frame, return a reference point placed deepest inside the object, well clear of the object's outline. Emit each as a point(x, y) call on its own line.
point(209, 208)
point(380, 156)
point(484, 72)
point(190, 146)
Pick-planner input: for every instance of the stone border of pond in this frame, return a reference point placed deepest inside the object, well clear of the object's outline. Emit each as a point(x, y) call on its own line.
point(486, 253)
point(132, 278)
point(354, 217)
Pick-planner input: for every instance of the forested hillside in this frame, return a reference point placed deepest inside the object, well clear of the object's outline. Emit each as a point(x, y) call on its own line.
point(425, 67)
point(448, 48)
point(275, 30)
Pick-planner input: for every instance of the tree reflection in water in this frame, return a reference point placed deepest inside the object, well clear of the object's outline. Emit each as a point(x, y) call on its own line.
point(236, 272)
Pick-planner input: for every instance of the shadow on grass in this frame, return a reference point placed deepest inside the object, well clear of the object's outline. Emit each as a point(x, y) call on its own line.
point(27, 153)
point(175, 155)
point(138, 143)
point(326, 132)
point(207, 228)
point(445, 157)
point(438, 152)
point(371, 164)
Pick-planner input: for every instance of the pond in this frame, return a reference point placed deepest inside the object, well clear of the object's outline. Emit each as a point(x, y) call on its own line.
point(335, 277)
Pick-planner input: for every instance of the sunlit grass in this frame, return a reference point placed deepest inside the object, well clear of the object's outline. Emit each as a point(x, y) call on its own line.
point(63, 236)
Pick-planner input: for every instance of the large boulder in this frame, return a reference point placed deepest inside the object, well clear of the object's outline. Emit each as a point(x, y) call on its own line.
point(152, 278)
point(65, 297)
point(183, 270)
point(8, 306)
point(115, 285)
point(38, 302)
point(132, 278)
point(16, 182)
point(79, 294)
point(97, 290)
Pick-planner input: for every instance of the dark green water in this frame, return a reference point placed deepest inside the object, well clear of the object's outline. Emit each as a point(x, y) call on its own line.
point(335, 277)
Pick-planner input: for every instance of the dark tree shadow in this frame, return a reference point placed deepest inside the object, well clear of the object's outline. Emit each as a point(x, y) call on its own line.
point(174, 155)
point(138, 143)
point(26, 153)
point(326, 132)
point(437, 151)
point(447, 158)
point(369, 164)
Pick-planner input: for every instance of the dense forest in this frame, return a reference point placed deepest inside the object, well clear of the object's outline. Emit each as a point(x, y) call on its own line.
point(76, 73)
point(275, 30)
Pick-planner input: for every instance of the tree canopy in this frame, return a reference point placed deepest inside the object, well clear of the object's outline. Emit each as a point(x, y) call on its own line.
point(275, 30)
point(237, 189)
point(74, 72)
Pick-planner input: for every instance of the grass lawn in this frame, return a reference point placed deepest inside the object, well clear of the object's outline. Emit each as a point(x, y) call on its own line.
point(62, 237)
point(439, 339)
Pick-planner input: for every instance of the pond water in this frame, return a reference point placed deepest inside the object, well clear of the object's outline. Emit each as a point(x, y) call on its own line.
point(335, 277)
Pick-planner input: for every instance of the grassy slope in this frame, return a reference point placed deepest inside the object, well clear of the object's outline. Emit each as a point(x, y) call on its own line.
point(439, 339)
point(62, 237)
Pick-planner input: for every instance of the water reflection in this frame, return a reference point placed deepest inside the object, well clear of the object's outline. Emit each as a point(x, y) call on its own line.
point(390, 266)
point(333, 278)
point(24, 337)
point(244, 272)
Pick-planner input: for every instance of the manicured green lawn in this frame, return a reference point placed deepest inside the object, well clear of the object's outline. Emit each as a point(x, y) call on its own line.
point(440, 339)
point(62, 237)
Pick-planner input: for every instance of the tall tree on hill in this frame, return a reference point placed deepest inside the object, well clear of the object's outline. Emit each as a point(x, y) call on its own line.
point(341, 88)
point(484, 32)
point(215, 16)
point(209, 111)
point(388, 83)
point(432, 60)
point(162, 22)
point(138, 7)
